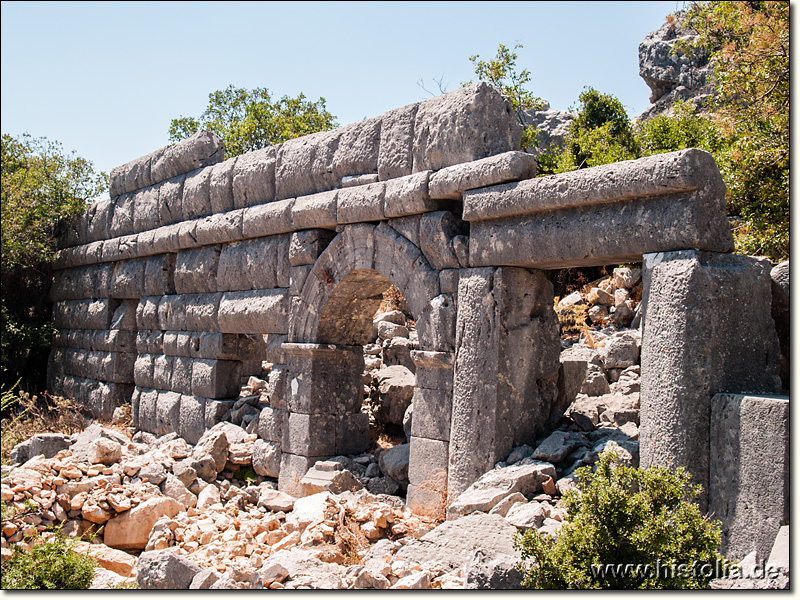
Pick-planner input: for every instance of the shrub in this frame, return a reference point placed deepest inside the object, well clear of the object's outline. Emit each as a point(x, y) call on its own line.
point(49, 565)
point(625, 523)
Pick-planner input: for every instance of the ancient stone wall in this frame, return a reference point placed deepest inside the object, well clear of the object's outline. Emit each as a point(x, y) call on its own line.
point(198, 269)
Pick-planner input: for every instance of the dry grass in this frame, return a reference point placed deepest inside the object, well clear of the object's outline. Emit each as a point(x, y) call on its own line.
point(393, 299)
point(24, 416)
point(573, 320)
point(349, 538)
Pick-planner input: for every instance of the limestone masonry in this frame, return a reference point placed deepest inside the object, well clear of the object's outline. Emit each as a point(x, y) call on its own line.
point(198, 269)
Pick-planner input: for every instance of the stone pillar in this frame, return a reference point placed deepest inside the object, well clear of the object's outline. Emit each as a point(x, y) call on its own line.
point(506, 368)
point(707, 329)
point(430, 431)
point(324, 394)
point(749, 475)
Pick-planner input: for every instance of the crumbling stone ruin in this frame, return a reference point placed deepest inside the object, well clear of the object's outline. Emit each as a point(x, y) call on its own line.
point(199, 270)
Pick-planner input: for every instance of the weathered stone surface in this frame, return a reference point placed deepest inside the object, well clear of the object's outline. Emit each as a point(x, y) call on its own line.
point(432, 414)
point(248, 265)
point(196, 270)
point(409, 196)
point(484, 571)
point(165, 570)
point(394, 463)
point(131, 529)
point(306, 246)
point(267, 458)
point(315, 210)
point(707, 330)
point(452, 543)
point(478, 108)
point(504, 384)
point(275, 500)
point(303, 165)
point(360, 204)
point(254, 178)
point(318, 479)
point(452, 182)
point(256, 311)
point(219, 227)
point(436, 233)
point(397, 142)
point(495, 485)
point(751, 499)
point(357, 150)
point(427, 475)
point(679, 195)
point(396, 387)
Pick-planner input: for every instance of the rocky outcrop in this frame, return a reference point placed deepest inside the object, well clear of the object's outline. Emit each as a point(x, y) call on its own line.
point(672, 74)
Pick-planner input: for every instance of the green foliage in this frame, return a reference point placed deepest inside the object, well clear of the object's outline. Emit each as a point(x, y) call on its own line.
point(683, 129)
point(501, 72)
point(49, 565)
point(749, 47)
point(624, 516)
point(601, 134)
point(42, 185)
point(250, 119)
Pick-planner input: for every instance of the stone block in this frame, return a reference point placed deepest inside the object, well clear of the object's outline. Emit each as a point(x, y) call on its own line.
point(168, 410)
point(202, 149)
point(707, 329)
point(162, 372)
point(172, 313)
point(124, 316)
point(409, 196)
point(282, 265)
point(267, 219)
point(452, 182)
point(192, 420)
point(659, 203)
point(216, 410)
point(434, 370)
point(82, 314)
point(361, 204)
point(99, 218)
point(752, 502)
point(159, 275)
point(267, 458)
point(196, 270)
point(248, 265)
point(196, 200)
point(181, 380)
point(220, 187)
point(448, 281)
point(146, 213)
point(256, 311)
point(254, 178)
point(324, 379)
point(219, 228)
point(143, 371)
point(357, 180)
point(170, 200)
point(432, 411)
point(148, 400)
point(427, 474)
point(276, 387)
point(293, 467)
point(306, 246)
point(149, 342)
point(165, 238)
point(487, 125)
point(303, 165)
point(147, 313)
point(352, 433)
point(128, 279)
point(397, 142)
point(437, 324)
point(122, 216)
point(436, 233)
point(506, 368)
point(408, 227)
point(297, 278)
point(357, 148)
point(315, 211)
point(215, 378)
point(270, 424)
point(309, 435)
point(201, 311)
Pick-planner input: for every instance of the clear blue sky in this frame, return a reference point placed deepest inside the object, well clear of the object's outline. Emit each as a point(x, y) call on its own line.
point(105, 78)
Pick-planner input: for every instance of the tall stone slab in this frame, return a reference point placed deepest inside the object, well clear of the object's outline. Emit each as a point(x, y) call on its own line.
point(506, 368)
point(749, 474)
point(708, 329)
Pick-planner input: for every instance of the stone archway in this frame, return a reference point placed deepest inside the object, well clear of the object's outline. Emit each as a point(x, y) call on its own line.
point(332, 319)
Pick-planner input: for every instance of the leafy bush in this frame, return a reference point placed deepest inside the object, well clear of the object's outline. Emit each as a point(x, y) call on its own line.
point(624, 523)
point(49, 565)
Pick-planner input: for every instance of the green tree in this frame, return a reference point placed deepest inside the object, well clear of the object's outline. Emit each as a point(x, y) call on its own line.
point(601, 133)
point(42, 185)
point(250, 119)
point(501, 71)
point(749, 46)
point(624, 516)
point(683, 129)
